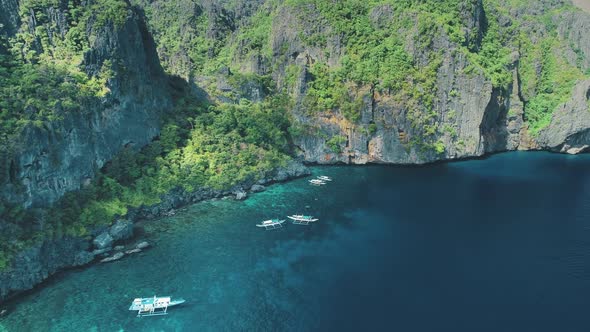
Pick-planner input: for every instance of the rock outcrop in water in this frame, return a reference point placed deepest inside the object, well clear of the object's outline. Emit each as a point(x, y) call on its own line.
point(37, 263)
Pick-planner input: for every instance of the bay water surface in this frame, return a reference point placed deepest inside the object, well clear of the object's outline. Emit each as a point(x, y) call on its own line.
point(500, 244)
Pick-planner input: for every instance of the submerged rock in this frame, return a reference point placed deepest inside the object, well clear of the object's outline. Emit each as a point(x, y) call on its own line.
point(258, 188)
point(99, 252)
point(241, 195)
point(115, 257)
point(102, 241)
point(83, 258)
point(119, 248)
point(142, 245)
point(121, 230)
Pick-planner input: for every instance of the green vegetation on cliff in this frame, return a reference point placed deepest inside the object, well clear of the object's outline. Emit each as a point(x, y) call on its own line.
point(41, 74)
point(201, 146)
point(393, 47)
point(547, 77)
point(208, 146)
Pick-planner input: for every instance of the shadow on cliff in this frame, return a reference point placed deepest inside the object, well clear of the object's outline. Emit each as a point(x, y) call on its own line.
point(178, 86)
point(493, 126)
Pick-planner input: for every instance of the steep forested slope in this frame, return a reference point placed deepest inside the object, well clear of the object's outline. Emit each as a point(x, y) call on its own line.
point(108, 106)
point(390, 81)
point(79, 81)
point(82, 93)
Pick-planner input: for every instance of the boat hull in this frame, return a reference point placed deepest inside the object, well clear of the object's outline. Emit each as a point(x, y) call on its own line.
point(150, 302)
point(301, 219)
point(176, 302)
point(273, 224)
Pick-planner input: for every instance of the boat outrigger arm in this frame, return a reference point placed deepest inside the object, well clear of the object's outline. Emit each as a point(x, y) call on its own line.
point(153, 306)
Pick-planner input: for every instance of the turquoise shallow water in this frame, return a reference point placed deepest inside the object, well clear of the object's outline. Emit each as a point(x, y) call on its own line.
point(501, 244)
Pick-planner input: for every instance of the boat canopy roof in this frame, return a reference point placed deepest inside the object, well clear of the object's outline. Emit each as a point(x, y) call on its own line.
point(152, 300)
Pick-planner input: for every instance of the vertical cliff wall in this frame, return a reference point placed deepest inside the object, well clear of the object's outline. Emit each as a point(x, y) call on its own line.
point(479, 80)
point(61, 155)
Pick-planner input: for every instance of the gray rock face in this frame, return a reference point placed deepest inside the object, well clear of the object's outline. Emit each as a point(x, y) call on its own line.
point(381, 15)
point(573, 26)
point(468, 111)
point(292, 170)
point(569, 130)
point(121, 230)
point(62, 156)
point(35, 264)
point(471, 117)
point(103, 241)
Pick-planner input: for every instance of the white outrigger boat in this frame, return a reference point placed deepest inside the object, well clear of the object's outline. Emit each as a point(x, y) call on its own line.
point(317, 182)
point(271, 224)
point(153, 306)
point(324, 178)
point(301, 219)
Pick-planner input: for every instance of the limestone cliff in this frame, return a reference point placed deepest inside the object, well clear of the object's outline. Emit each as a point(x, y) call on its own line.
point(472, 117)
point(470, 114)
point(62, 155)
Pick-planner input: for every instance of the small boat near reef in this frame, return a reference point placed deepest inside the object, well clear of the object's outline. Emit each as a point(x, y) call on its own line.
point(153, 306)
point(271, 224)
point(301, 219)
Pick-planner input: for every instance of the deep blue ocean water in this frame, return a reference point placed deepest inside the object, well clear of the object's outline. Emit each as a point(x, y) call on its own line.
point(501, 244)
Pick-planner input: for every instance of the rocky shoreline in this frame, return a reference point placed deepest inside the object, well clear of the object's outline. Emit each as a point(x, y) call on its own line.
point(34, 265)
